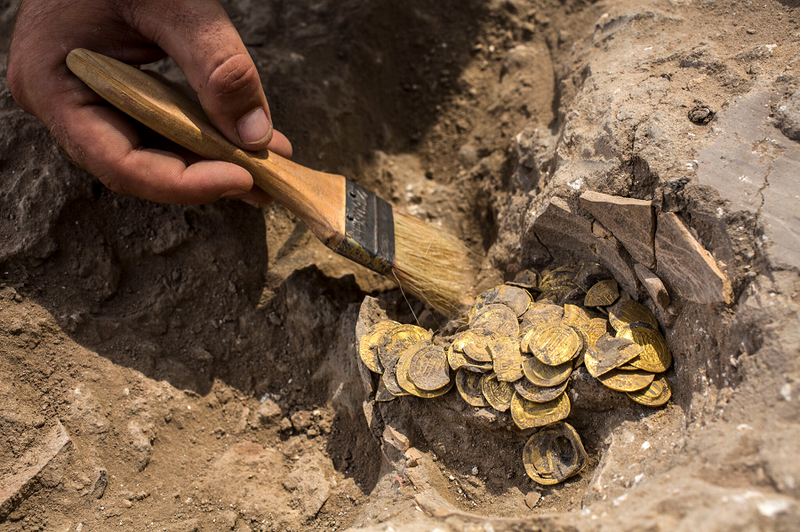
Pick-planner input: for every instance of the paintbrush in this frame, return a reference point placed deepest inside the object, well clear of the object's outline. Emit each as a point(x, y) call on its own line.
point(430, 264)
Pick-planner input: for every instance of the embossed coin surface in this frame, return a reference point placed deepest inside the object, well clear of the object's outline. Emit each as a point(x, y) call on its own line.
point(656, 356)
point(541, 374)
point(382, 395)
point(539, 394)
point(629, 311)
point(626, 381)
point(475, 345)
point(554, 454)
point(515, 298)
point(403, 369)
point(555, 344)
point(429, 369)
point(398, 339)
point(656, 394)
point(609, 353)
point(527, 414)
point(540, 314)
point(497, 393)
point(389, 378)
point(602, 294)
point(469, 387)
point(498, 318)
point(506, 358)
point(371, 340)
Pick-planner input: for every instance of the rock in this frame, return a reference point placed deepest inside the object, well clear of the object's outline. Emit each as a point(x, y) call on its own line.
point(99, 488)
point(16, 482)
point(654, 286)
point(754, 166)
point(686, 266)
point(301, 420)
point(631, 221)
point(788, 116)
point(227, 519)
point(142, 447)
point(310, 485)
point(396, 439)
point(532, 499)
point(268, 412)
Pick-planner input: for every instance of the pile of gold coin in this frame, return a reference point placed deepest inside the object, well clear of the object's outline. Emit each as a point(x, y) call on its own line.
point(517, 351)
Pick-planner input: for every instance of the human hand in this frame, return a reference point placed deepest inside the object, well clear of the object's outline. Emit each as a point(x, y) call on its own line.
point(201, 39)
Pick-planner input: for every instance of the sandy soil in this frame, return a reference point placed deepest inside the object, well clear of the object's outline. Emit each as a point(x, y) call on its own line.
point(193, 368)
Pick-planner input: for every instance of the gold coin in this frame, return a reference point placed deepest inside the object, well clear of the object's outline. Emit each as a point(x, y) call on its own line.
point(541, 374)
point(497, 393)
point(539, 314)
point(567, 272)
point(389, 379)
point(597, 328)
point(398, 339)
point(382, 395)
point(629, 311)
point(455, 359)
point(527, 279)
point(575, 316)
point(657, 394)
point(528, 415)
point(497, 318)
point(403, 369)
point(474, 346)
point(515, 298)
point(469, 386)
point(506, 358)
point(428, 368)
point(602, 294)
point(609, 353)
point(554, 454)
point(368, 345)
point(655, 356)
point(555, 344)
point(626, 381)
point(539, 394)
point(562, 293)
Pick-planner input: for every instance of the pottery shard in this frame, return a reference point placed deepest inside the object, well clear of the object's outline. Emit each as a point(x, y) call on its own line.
point(557, 227)
point(631, 221)
point(654, 286)
point(687, 267)
point(609, 252)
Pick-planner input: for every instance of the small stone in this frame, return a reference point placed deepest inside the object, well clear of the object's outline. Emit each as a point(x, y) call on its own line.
point(532, 499)
point(654, 286)
point(701, 115)
point(227, 519)
point(285, 424)
point(413, 456)
point(301, 420)
point(268, 412)
point(126, 503)
point(396, 439)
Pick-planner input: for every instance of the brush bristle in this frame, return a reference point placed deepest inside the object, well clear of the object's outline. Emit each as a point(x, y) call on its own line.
point(432, 265)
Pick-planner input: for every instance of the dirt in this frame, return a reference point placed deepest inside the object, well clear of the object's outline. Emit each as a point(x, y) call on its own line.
point(201, 360)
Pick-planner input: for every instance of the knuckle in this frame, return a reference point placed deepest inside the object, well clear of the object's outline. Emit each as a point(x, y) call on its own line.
point(234, 75)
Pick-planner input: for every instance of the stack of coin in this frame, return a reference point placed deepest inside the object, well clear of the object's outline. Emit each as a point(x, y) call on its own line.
point(522, 342)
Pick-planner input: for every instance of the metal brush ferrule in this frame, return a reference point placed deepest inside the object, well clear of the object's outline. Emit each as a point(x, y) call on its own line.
point(369, 230)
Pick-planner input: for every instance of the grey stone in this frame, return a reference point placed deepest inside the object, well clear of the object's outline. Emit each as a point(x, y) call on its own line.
point(608, 252)
point(686, 266)
point(559, 229)
point(631, 221)
point(755, 166)
point(269, 412)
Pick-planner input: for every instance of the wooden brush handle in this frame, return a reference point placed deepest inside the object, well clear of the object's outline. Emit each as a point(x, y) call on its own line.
point(315, 197)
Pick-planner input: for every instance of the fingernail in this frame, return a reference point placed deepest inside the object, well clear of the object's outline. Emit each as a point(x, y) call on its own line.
point(234, 192)
point(254, 127)
point(252, 203)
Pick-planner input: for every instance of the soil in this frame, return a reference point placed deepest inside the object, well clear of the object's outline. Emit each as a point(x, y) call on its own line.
point(194, 368)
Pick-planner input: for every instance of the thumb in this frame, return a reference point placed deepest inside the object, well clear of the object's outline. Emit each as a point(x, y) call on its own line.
point(202, 40)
